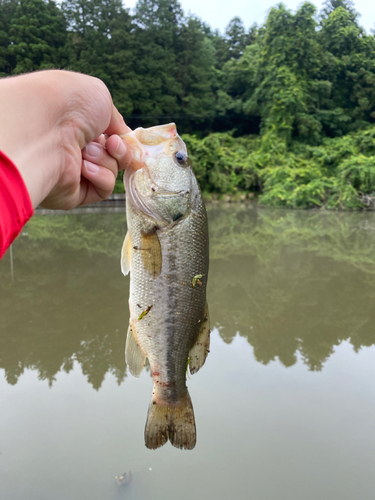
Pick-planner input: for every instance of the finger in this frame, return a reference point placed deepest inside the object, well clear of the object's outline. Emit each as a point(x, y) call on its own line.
point(97, 154)
point(116, 148)
point(101, 140)
point(97, 183)
point(88, 193)
point(117, 124)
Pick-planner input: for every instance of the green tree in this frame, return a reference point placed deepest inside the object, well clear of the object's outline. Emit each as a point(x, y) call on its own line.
point(166, 16)
point(330, 5)
point(196, 74)
point(232, 44)
point(283, 71)
point(237, 84)
point(7, 9)
point(349, 65)
point(155, 92)
point(235, 38)
point(99, 44)
point(38, 36)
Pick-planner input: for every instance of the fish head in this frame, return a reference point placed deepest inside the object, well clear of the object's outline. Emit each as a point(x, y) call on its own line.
point(158, 180)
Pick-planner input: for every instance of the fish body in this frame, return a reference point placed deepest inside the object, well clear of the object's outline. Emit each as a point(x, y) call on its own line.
point(166, 252)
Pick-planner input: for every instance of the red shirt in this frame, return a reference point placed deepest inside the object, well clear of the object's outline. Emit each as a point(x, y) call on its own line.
point(15, 204)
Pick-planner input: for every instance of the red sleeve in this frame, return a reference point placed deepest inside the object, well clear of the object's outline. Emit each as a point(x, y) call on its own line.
point(15, 204)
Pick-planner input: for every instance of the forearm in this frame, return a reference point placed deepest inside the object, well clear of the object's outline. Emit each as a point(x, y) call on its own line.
point(28, 131)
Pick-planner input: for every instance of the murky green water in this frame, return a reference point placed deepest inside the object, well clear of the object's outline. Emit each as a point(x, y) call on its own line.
point(285, 405)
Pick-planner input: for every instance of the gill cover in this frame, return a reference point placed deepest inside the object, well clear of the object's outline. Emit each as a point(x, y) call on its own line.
point(158, 181)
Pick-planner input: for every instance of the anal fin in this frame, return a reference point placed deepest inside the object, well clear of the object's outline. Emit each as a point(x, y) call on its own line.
point(134, 356)
point(198, 353)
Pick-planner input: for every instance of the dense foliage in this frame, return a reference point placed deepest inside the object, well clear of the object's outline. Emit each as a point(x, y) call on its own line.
point(339, 173)
point(284, 109)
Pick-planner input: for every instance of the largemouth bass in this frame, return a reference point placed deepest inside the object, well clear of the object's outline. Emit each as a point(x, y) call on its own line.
point(166, 252)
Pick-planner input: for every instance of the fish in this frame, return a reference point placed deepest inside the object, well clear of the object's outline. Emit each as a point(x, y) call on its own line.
point(166, 253)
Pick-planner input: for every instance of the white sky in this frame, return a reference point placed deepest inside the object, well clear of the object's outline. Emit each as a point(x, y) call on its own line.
point(217, 13)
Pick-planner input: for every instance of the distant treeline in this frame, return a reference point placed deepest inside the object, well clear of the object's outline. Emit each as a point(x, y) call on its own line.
point(295, 82)
point(303, 74)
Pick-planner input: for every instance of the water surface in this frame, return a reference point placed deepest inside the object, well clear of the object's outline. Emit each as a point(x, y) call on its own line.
point(285, 404)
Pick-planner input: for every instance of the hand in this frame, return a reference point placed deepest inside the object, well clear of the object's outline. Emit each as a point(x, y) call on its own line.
point(51, 126)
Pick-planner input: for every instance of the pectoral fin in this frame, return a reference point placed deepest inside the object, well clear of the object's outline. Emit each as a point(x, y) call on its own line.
point(151, 253)
point(134, 356)
point(198, 353)
point(125, 254)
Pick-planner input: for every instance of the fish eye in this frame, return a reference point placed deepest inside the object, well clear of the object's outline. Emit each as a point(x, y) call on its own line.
point(181, 157)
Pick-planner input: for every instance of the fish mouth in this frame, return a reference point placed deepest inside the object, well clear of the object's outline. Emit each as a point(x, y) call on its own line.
point(149, 142)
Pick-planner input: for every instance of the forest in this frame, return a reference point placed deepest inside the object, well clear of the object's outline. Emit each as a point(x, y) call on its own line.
point(284, 111)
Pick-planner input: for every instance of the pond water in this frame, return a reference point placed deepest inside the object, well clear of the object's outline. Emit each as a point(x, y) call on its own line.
point(284, 406)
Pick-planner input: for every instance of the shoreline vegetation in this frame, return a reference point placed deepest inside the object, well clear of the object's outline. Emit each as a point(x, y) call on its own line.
point(283, 112)
point(338, 174)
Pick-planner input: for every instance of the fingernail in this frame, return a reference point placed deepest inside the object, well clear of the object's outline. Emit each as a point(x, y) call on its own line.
point(121, 148)
point(91, 167)
point(93, 150)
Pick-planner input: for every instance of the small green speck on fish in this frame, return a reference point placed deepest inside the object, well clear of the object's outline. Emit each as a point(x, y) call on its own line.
point(197, 280)
point(143, 314)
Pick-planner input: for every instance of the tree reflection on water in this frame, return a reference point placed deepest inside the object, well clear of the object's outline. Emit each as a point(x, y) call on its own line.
point(289, 282)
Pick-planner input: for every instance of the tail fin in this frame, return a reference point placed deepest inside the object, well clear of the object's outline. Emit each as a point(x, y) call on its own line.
point(170, 421)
